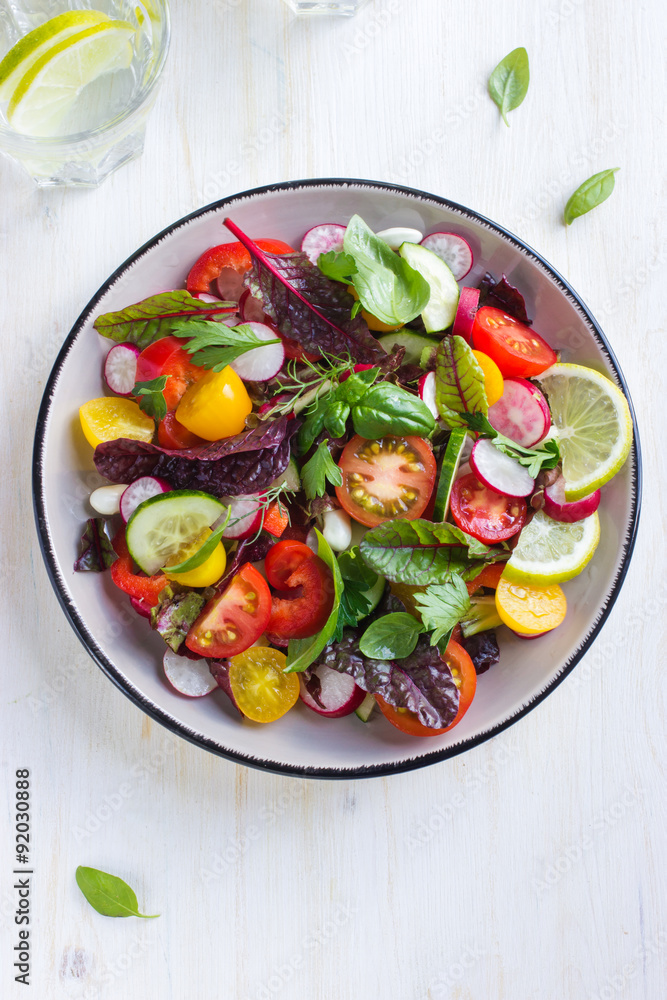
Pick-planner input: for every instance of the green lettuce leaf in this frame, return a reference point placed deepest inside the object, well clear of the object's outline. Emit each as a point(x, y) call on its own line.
point(459, 382)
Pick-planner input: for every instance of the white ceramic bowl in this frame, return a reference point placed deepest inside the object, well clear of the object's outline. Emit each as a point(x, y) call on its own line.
point(121, 643)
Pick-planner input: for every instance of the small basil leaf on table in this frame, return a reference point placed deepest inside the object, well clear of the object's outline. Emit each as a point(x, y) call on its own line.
point(589, 195)
point(108, 894)
point(392, 637)
point(508, 84)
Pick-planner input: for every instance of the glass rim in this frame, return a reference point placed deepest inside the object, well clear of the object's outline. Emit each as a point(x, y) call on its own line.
point(12, 141)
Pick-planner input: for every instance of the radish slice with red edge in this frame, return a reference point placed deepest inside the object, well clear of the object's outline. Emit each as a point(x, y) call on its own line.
point(465, 313)
point(330, 693)
point(322, 239)
point(189, 677)
point(524, 635)
point(141, 607)
point(500, 472)
point(453, 249)
point(245, 518)
point(261, 363)
point(522, 413)
point(427, 393)
point(120, 368)
point(138, 491)
point(556, 506)
point(251, 310)
point(357, 368)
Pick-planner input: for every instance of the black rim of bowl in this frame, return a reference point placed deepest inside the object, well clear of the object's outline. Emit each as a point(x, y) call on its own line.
point(179, 728)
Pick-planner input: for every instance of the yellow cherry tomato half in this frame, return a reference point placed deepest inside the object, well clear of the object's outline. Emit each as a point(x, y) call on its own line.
point(113, 417)
point(216, 406)
point(210, 570)
point(530, 609)
point(372, 322)
point(493, 380)
point(262, 690)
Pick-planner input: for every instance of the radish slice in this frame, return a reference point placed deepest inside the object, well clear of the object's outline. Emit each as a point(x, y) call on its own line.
point(398, 235)
point(500, 472)
point(453, 249)
point(120, 368)
point(138, 491)
point(322, 239)
point(556, 506)
point(229, 284)
point(140, 606)
point(261, 363)
point(465, 313)
point(251, 309)
point(357, 368)
point(338, 695)
point(245, 518)
point(427, 393)
point(522, 413)
point(189, 677)
point(524, 635)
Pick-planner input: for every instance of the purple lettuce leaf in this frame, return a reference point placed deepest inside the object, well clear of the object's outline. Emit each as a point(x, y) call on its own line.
point(306, 306)
point(246, 463)
point(421, 682)
point(96, 553)
point(220, 671)
point(502, 295)
point(483, 650)
point(175, 615)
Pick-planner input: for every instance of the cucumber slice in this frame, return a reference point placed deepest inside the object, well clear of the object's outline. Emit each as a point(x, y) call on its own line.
point(366, 708)
point(448, 470)
point(164, 525)
point(441, 309)
point(414, 344)
point(290, 478)
point(374, 595)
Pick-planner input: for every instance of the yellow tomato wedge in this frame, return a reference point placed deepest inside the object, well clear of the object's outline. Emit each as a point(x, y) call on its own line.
point(216, 406)
point(493, 380)
point(210, 570)
point(111, 417)
point(529, 609)
point(262, 690)
point(372, 322)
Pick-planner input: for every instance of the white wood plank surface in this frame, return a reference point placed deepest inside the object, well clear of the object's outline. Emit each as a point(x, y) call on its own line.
point(532, 867)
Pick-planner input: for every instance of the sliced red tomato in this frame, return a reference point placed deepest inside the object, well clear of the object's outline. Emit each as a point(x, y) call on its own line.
point(234, 255)
point(172, 434)
point(305, 590)
point(391, 477)
point(234, 619)
point(465, 678)
point(515, 348)
point(169, 357)
point(485, 514)
point(142, 588)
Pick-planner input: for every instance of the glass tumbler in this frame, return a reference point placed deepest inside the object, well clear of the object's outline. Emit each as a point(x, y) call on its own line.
point(345, 7)
point(106, 124)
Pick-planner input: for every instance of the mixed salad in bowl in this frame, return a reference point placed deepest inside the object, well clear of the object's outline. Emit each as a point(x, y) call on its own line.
point(337, 473)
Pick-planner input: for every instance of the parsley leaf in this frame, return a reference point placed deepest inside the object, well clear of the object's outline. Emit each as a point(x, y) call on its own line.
point(358, 578)
point(215, 345)
point(441, 606)
point(150, 397)
point(318, 471)
point(338, 266)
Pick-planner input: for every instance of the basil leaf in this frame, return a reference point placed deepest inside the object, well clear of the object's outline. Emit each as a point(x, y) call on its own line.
point(419, 552)
point(459, 382)
point(108, 894)
point(302, 652)
point(388, 409)
point(337, 266)
point(215, 345)
point(386, 284)
point(442, 606)
point(508, 84)
point(319, 470)
point(392, 637)
point(151, 397)
point(589, 195)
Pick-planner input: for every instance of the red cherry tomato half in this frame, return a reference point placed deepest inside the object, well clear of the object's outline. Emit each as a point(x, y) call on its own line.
point(234, 619)
point(515, 348)
point(168, 357)
point(392, 477)
point(142, 588)
point(305, 590)
point(208, 267)
point(485, 514)
point(172, 434)
point(465, 678)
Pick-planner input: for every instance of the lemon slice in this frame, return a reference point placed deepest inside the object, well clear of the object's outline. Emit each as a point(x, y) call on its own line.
point(551, 551)
point(48, 90)
point(594, 426)
point(23, 56)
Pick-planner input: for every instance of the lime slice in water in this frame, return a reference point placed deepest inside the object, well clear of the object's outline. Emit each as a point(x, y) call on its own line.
point(594, 426)
point(551, 551)
point(47, 92)
point(23, 56)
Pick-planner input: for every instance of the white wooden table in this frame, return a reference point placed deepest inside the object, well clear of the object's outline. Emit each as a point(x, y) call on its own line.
point(531, 867)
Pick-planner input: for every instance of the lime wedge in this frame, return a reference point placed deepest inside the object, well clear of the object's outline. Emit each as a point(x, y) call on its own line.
point(551, 551)
point(594, 426)
point(23, 56)
point(48, 90)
